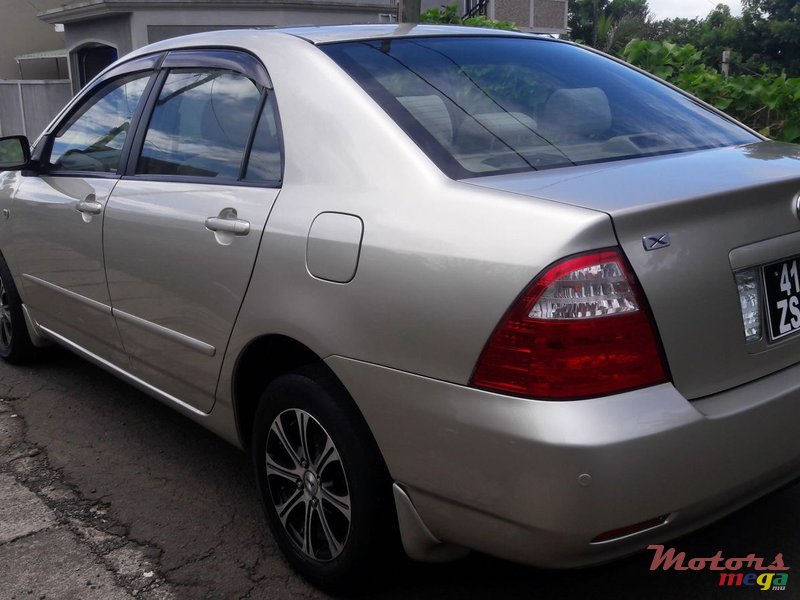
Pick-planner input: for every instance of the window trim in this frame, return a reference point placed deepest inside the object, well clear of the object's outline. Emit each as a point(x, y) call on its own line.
point(237, 61)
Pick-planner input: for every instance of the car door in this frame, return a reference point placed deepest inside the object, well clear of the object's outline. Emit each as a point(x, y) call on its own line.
point(56, 215)
point(182, 228)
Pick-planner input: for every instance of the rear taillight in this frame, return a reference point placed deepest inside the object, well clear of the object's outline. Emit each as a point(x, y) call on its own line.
point(581, 329)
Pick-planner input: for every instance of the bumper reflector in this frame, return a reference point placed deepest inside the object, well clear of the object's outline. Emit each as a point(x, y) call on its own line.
point(615, 534)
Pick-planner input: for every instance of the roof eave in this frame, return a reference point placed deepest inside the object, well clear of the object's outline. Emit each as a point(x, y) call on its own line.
point(92, 9)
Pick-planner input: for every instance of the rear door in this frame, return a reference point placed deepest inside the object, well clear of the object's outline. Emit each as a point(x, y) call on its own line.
point(182, 228)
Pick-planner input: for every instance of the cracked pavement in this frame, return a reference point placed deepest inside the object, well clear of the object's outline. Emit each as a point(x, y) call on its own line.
point(107, 494)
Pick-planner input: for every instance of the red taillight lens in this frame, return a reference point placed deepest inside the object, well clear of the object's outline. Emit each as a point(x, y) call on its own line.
point(579, 330)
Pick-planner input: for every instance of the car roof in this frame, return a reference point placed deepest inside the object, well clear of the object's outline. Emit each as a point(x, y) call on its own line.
point(343, 33)
point(325, 34)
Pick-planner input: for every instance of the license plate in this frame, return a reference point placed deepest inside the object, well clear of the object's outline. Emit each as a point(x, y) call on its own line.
point(782, 288)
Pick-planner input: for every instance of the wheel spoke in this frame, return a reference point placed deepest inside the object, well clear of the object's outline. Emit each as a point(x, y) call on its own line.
point(341, 503)
point(280, 433)
point(334, 547)
point(286, 508)
point(273, 468)
point(307, 545)
point(302, 423)
point(6, 333)
point(326, 457)
point(6, 328)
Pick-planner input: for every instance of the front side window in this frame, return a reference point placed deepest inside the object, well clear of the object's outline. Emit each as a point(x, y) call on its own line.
point(92, 139)
point(200, 125)
point(486, 105)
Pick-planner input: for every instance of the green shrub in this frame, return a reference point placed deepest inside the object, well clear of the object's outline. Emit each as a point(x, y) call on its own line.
point(449, 15)
point(768, 103)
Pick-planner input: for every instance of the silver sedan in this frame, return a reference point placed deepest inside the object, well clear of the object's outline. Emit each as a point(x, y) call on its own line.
point(452, 288)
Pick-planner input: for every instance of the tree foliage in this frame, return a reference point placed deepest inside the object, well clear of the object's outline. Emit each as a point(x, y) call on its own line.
point(608, 24)
point(768, 103)
point(449, 15)
point(764, 89)
point(765, 37)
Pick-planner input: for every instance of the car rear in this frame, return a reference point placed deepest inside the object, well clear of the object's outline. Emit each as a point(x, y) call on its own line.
point(630, 392)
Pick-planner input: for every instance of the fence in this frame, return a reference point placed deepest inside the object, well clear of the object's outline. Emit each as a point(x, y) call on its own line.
point(26, 107)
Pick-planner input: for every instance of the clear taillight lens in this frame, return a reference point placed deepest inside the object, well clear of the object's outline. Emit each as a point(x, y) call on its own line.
point(581, 329)
point(748, 284)
point(586, 293)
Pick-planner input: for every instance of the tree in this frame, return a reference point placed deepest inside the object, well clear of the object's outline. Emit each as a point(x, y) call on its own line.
point(582, 17)
point(609, 24)
point(773, 31)
point(449, 15)
point(720, 31)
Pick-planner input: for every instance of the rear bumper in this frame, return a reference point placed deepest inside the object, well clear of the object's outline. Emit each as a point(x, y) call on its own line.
point(507, 476)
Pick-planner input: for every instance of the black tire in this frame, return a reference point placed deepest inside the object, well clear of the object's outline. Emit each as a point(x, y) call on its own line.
point(15, 343)
point(334, 554)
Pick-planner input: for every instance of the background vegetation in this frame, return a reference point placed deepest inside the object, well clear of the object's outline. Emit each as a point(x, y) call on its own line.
point(449, 14)
point(763, 86)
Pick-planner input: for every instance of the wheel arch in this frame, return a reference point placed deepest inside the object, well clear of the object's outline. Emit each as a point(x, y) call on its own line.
point(262, 361)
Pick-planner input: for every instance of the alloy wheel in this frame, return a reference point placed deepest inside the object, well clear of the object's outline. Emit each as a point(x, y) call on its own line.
point(6, 328)
point(308, 485)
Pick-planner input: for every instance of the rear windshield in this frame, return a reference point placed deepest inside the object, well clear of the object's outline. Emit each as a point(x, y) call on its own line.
point(489, 105)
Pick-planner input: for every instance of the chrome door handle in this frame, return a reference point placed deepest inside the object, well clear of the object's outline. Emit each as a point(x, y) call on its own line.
point(89, 207)
point(234, 226)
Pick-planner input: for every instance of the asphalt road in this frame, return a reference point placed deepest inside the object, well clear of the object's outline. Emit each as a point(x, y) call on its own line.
point(171, 511)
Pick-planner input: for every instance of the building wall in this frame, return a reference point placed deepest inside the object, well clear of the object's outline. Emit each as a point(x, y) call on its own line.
point(114, 30)
point(154, 25)
point(516, 11)
point(544, 16)
point(21, 32)
point(550, 13)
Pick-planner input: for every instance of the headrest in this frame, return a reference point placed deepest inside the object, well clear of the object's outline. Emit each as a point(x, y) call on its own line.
point(432, 114)
point(576, 113)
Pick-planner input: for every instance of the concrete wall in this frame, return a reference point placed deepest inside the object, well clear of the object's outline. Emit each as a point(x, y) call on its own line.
point(112, 30)
point(127, 31)
point(545, 16)
point(26, 107)
point(21, 32)
point(154, 25)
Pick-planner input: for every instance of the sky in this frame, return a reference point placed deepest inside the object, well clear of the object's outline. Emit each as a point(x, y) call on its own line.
point(668, 9)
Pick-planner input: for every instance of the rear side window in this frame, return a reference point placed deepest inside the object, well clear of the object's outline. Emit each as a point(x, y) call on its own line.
point(489, 105)
point(264, 163)
point(200, 125)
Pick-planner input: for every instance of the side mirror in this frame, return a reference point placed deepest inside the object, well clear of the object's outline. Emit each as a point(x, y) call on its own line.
point(15, 153)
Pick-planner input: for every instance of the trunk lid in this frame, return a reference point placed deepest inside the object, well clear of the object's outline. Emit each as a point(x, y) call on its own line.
point(724, 209)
